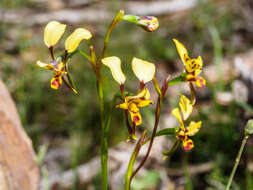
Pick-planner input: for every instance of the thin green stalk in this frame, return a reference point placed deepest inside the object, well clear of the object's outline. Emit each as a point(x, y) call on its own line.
point(157, 117)
point(104, 144)
point(85, 55)
point(132, 161)
point(115, 21)
point(237, 160)
point(248, 130)
point(104, 128)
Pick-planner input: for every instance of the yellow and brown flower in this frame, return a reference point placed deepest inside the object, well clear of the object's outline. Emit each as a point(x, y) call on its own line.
point(192, 67)
point(133, 103)
point(182, 113)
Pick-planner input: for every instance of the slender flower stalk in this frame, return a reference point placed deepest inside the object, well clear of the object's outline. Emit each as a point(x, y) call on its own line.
point(115, 21)
point(157, 117)
point(247, 132)
point(237, 160)
point(132, 160)
point(104, 124)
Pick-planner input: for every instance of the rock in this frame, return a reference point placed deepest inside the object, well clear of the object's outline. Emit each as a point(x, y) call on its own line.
point(224, 98)
point(18, 168)
point(240, 91)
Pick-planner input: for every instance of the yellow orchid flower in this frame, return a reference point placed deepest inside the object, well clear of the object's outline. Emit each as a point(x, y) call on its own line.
point(183, 134)
point(192, 67)
point(58, 68)
point(133, 103)
point(114, 64)
point(143, 70)
point(75, 38)
point(53, 32)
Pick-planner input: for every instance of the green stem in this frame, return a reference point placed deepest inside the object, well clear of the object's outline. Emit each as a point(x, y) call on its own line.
point(85, 55)
point(104, 124)
point(157, 117)
point(104, 144)
point(132, 161)
point(115, 21)
point(237, 160)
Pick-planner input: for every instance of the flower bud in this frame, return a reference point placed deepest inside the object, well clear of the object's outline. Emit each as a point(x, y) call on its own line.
point(249, 127)
point(148, 23)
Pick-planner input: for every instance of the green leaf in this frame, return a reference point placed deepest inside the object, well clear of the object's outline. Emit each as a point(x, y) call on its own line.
point(178, 79)
point(167, 131)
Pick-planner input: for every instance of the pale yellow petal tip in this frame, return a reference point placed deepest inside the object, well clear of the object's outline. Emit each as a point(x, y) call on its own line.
point(44, 65)
point(74, 39)
point(41, 64)
point(114, 64)
point(175, 40)
point(143, 70)
point(53, 33)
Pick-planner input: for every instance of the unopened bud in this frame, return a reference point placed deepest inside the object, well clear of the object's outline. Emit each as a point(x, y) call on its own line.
point(148, 23)
point(249, 127)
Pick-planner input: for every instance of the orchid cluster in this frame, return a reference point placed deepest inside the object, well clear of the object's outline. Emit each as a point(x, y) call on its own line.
point(130, 104)
point(52, 34)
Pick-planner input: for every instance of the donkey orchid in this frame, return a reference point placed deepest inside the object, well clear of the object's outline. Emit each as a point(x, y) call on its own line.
point(133, 103)
point(182, 115)
point(52, 34)
point(192, 67)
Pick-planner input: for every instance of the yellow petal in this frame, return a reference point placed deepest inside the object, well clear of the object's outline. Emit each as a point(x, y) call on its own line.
point(200, 82)
point(56, 82)
point(143, 70)
point(144, 94)
point(123, 106)
point(114, 64)
point(176, 113)
point(53, 32)
point(75, 38)
point(185, 106)
point(143, 103)
point(133, 108)
point(194, 65)
point(188, 144)
point(182, 51)
point(136, 118)
point(45, 65)
point(193, 128)
point(200, 61)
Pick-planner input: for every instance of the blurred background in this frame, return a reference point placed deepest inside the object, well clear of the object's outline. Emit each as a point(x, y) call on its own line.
point(65, 128)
